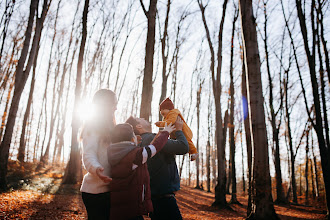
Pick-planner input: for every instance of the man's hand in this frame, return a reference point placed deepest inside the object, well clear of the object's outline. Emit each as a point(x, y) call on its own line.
point(104, 178)
point(139, 139)
point(169, 128)
point(178, 124)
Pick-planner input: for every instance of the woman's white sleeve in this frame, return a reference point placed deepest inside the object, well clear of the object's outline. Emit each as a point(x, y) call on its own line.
point(89, 156)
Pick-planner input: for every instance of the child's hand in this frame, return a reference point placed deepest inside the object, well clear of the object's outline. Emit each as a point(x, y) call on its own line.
point(104, 178)
point(169, 128)
point(158, 123)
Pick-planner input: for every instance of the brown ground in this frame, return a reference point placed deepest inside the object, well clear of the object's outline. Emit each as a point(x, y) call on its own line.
point(40, 196)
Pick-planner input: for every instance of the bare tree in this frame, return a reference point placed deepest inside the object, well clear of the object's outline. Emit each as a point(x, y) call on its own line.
point(220, 189)
point(273, 115)
point(22, 73)
point(147, 87)
point(22, 144)
point(73, 172)
point(263, 207)
point(318, 125)
point(231, 117)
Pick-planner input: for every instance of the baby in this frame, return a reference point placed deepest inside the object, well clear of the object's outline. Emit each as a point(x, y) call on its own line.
point(169, 116)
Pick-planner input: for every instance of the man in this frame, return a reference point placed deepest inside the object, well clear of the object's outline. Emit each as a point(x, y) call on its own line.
point(164, 176)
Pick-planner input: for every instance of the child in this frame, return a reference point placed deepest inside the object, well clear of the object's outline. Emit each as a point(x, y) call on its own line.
point(130, 185)
point(169, 116)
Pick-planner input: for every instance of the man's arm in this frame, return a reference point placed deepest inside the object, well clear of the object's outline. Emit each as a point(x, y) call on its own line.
point(179, 146)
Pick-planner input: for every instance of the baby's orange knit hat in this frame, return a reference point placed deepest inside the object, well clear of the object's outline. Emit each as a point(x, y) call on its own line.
point(166, 104)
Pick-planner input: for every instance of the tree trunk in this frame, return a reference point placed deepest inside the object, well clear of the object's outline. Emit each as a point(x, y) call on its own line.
point(324, 150)
point(315, 170)
point(275, 128)
point(247, 129)
point(231, 118)
point(197, 144)
point(147, 88)
point(220, 189)
point(163, 41)
point(306, 169)
point(73, 171)
point(22, 144)
point(263, 202)
point(20, 80)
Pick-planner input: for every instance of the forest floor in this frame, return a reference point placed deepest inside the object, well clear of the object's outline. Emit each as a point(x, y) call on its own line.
point(40, 195)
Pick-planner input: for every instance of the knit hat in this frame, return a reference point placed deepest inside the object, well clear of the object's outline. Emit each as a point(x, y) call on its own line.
point(166, 104)
point(122, 132)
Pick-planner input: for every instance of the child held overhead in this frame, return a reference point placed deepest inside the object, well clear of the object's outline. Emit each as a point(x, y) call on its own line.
point(170, 115)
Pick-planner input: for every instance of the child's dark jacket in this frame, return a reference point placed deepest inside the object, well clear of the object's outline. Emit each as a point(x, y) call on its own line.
point(130, 187)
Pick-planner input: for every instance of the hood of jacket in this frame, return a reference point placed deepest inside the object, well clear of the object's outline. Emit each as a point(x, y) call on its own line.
point(118, 151)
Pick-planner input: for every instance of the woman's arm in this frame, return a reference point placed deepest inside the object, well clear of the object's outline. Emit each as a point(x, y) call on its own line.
point(90, 160)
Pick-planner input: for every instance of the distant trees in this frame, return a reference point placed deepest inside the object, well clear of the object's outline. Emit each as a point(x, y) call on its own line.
point(22, 73)
point(284, 71)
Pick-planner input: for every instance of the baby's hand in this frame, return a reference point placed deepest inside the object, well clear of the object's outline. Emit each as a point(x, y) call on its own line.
point(158, 123)
point(169, 128)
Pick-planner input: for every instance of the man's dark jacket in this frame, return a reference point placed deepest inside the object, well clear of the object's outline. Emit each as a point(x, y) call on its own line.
point(163, 171)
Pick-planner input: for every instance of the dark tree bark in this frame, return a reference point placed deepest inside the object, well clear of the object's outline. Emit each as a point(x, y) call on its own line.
point(22, 144)
point(318, 126)
point(199, 91)
point(208, 147)
point(220, 189)
point(306, 169)
point(22, 73)
point(324, 42)
point(315, 170)
point(275, 128)
point(8, 15)
point(164, 43)
point(247, 129)
point(231, 118)
point(263, 202)
point(147, 88)
point(73, 171)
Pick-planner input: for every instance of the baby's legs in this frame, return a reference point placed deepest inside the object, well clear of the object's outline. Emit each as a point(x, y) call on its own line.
point(192, 148)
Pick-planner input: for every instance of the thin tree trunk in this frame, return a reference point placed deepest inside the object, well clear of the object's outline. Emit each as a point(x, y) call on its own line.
point(220, 189)
point(278, 174)
point(163, 41)
point(199, 91)
point(8, 15)
point(22, 144)
point(324, 42)
point(147, 88)
point(73, 171)
point(247, 129)
point(243, 170)
point(263, 202)
point(306, 169)
point(231, 118)
point(315, 170)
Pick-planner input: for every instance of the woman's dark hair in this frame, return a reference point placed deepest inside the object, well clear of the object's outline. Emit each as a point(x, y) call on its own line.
point(103, 120)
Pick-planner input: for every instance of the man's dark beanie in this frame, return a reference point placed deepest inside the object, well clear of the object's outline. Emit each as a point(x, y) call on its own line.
point(132, 121)
point(122, 132)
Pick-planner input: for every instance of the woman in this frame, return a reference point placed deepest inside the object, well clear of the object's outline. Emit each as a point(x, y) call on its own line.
point(95, 137)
